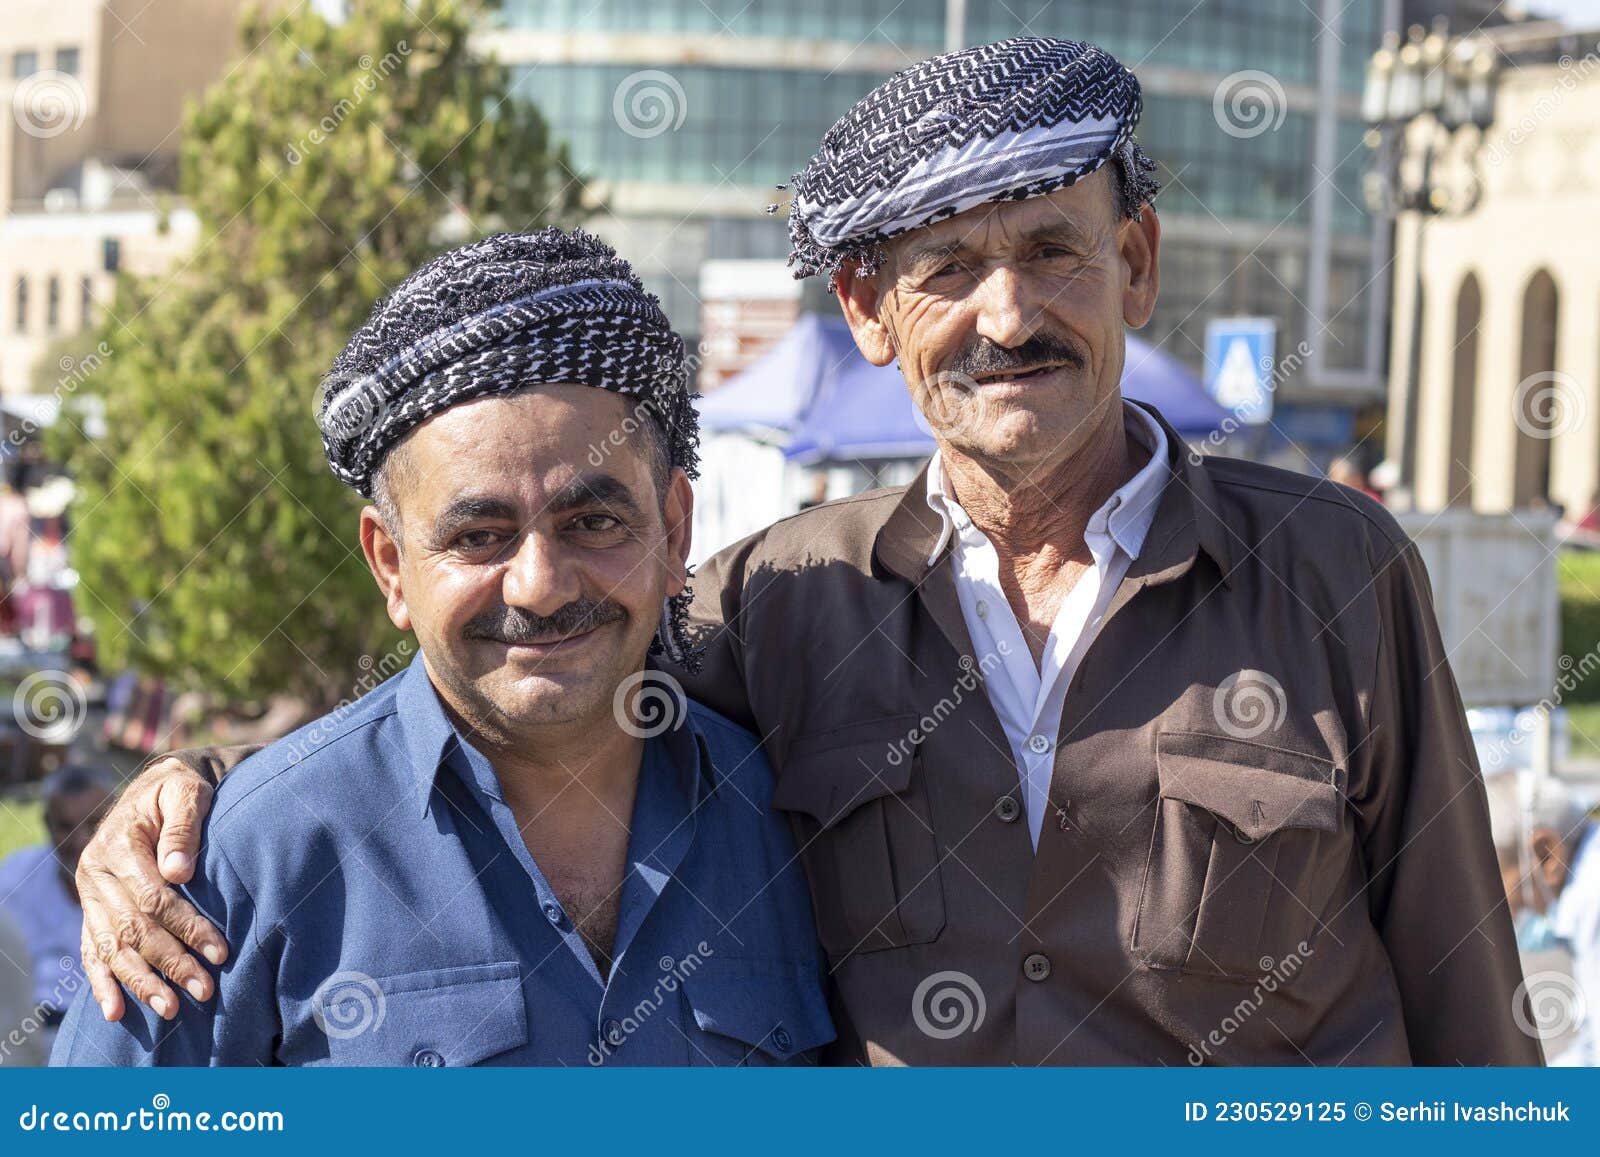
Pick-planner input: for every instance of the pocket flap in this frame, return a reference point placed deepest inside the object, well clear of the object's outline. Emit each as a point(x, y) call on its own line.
point(771, 1005)
point(828, 775)
point(441, 1017)
point(1255, 787)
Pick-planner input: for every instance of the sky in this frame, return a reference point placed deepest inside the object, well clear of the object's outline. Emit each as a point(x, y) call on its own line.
point(1585, 12)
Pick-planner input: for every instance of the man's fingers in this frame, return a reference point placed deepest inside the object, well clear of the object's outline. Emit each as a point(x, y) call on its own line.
point(123, 945)
point(147, 988)
point(183, 801)
point(160, 923)
point(181, 923)
point(101, 983)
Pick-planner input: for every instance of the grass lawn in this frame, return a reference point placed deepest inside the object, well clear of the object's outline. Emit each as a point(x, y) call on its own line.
point(1580, 634)
point(20, 825)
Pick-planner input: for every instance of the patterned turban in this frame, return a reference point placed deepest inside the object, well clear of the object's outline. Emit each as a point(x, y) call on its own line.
point(499, 315)
point(1000, 122)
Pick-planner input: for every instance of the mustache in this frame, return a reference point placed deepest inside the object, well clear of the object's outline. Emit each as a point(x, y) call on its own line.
point(985, 356)
point(513, 625)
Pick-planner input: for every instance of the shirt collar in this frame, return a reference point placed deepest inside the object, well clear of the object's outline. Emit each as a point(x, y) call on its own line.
point(1187, 523)
point(1126, 515)
point(430, 738)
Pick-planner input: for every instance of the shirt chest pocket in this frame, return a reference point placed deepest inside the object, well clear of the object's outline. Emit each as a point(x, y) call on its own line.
point(859, 807)
point(757, 1012)
point(445, 1017)
point(1243, 834)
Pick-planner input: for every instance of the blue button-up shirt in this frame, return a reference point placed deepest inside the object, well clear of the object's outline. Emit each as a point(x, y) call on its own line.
point(383, 909)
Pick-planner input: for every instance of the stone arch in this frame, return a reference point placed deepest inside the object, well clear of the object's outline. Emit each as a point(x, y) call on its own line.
point(1536, 400)
point(1463, 391)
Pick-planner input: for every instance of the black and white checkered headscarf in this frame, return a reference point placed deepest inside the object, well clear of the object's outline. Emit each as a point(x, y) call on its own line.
point(1000, 122)
point(496, 316)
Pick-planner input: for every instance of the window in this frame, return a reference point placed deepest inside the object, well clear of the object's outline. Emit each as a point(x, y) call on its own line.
point(52, 304)
point(67, 61)
point(22, 305)
point(112, 253)
point(86, 301)
point(24, 63)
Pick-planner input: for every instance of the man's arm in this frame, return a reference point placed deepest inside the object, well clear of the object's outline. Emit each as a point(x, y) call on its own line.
point(132, 917)
point(239, 1027)
point(1434, 891)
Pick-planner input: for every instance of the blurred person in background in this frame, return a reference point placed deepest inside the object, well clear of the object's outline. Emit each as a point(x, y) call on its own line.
point(16, 535)
point(18, 1045)
point(38, 890)
point(1345, 472)
point(1549, 849)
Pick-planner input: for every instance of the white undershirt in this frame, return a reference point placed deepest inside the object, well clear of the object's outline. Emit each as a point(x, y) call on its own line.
point(1029, 700)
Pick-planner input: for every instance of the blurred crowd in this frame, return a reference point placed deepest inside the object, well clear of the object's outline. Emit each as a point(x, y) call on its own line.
point(40, 919)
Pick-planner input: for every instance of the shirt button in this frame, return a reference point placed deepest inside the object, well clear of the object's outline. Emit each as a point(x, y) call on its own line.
point(428, 1059)
point(555, 915)
point(1006, 809)
point(1036, 967)
point(1039, 744)
point(611, 1029)
point(781, 1040)
point(983, 609)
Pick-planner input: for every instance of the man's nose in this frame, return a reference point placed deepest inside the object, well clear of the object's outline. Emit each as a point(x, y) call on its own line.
point(540, 578)
point(1004, 315)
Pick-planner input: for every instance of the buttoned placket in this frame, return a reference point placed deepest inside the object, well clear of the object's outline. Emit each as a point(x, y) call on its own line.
point(1033, 710)
point(662, 828)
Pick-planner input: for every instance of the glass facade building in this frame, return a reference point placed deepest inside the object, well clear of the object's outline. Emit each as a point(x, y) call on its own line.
point(1261, 217)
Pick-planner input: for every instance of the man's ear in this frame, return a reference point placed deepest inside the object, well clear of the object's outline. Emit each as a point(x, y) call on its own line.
point(861, 300)
point(1140, 243)
point(383, 560)
point(679, 512)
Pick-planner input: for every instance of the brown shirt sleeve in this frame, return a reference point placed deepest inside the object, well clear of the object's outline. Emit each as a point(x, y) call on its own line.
point(211, 762)
point(1434, 892)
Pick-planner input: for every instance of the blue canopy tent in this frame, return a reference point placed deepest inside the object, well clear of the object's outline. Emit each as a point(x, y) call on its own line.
point(858, 412)
point(773, 395)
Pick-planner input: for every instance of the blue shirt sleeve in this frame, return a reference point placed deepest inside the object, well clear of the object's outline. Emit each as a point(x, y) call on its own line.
point(237, 1026)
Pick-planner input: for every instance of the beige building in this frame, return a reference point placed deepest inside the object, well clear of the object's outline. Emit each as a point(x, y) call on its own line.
point(91, 101)
point(1507, 416)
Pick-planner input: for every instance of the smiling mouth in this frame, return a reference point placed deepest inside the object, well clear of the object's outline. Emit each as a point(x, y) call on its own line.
point(551, 643)
point(1016, 375)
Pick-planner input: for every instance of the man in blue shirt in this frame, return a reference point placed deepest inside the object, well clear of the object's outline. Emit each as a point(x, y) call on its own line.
point(528, 847)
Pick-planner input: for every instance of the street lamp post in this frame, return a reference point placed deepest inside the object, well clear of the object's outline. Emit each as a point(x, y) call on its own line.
point(1425, 101)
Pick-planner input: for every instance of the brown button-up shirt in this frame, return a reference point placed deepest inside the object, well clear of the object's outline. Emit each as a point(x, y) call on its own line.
point(1268, 839)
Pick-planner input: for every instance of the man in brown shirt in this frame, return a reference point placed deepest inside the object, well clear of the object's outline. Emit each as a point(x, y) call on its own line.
point(1255, 829)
